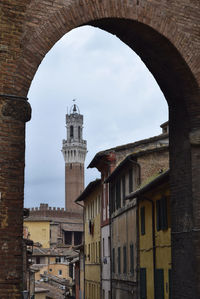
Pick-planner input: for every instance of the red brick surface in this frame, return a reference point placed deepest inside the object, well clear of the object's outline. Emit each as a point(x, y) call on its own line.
point(166, 35)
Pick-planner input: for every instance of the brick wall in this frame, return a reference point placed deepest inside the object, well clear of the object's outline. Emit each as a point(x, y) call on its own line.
point(165, 34)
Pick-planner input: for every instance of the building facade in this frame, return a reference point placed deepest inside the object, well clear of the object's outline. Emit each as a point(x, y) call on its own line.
point(155, 238)
point(151, 155)
point(91, 197)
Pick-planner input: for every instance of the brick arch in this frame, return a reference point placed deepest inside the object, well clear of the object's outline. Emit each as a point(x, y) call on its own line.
point(165, 34)
point(53, 22)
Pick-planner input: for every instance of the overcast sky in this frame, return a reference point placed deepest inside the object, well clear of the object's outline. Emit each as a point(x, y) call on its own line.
point(119, 98)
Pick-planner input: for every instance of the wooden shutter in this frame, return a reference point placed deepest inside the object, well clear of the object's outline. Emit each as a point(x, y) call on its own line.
point(143, 283)
point(123, 189)
point(119, 260)
point(159, 284)
point(164, 212)
point(130, 180)
point(132, 258)
point(142, 219)
point(113, 260)
point(125, 260)
point(170, 283)
point(158, 215)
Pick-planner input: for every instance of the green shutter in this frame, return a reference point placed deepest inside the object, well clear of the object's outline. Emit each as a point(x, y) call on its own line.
point(158, 220)
point(159, 284)
point(142, 219)
point(119, 260)
point(143, 283)
point(170, 283)
point(164, 213)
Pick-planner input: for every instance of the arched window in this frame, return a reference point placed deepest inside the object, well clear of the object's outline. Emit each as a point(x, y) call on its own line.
point(79, 132)
point(71, 131)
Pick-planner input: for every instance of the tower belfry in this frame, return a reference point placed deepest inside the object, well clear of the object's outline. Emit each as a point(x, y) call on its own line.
point(74, 151)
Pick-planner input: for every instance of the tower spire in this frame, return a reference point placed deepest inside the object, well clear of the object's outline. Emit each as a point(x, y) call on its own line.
point(74, 151)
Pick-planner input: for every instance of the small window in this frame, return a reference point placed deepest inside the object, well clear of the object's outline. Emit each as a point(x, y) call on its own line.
point(113, 260)
point(118, 194)
point(143, 284)
point(125, 260)
point(130, 180)
point(71, 131)
point(123, 189)
point(68, 237)
point(119, 260)
point(161, 214)
point(59, 272)
point(50, 270)
point(77, 238)
point(131, 258)
point(79, 132)
point(142, 219)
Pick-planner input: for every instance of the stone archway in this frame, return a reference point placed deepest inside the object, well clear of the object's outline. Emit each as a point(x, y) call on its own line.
point(167, 40)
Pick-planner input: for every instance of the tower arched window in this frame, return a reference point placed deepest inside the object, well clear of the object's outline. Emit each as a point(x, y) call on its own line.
point(71, 131)
point(79, 132)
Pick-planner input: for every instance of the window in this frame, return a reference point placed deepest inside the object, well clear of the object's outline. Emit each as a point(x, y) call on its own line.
point(71, 131)
point(130, 174)
point(58, 259)
point(71, 270)
point(143, 284)
point(50, 270)
point(99, 251)
point(161, 214)
point(119, 260)
point(103, 247)
point(131, 258)
point(37, 260)
point(77, 238)
point(159, 284)
point(113, 260)
point(68, 238)
point(79, 132)
point(118, 194)
point(112, 193)
point(89, 252)
point(125, 260)
point(123, 189)
point(142, 219)
point(59, 272)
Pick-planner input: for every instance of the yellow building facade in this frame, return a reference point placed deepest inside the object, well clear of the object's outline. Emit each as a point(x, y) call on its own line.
point(91, 198)
point(39, 231)
point(155, 239)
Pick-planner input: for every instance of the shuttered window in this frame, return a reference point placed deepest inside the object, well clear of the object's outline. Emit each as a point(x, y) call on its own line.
point(142, 220)
point(123, 189)
point(112, 192)
point(170, 283)
point(113, 260)
point(143, 283)
point(119, 260)
point(131, 258)
point(161, 214)
point(118, 194)
point(130, 180)
point(159, 284)
point(124, 260)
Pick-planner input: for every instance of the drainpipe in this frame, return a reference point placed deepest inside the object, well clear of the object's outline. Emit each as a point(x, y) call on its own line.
point(83, 247)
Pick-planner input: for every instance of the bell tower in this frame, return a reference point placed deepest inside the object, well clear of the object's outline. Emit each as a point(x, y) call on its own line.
point(74, 151)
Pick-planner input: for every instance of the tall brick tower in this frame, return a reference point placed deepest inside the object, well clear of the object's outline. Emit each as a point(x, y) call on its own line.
point(74, 151)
